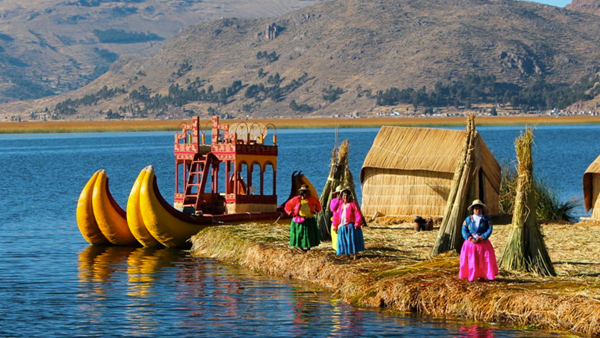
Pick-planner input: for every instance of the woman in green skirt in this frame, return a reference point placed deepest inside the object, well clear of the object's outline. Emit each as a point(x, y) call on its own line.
point(304, 232)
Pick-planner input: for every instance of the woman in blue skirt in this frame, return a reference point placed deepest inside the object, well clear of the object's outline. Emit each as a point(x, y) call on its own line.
point(347, 223)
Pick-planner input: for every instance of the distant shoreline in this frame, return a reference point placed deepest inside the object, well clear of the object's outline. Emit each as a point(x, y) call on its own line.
point(173, 125)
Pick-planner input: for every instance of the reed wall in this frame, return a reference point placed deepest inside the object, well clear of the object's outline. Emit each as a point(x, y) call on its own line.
point(405, 193)
point(594, 197)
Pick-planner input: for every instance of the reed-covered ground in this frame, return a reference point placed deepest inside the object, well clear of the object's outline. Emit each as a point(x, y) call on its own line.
point(396, 272)
point(158, 125)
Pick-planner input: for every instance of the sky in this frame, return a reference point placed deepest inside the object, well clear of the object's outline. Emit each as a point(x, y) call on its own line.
point(558, 3)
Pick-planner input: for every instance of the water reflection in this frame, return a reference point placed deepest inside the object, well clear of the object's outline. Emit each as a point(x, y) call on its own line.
point(303, 313)
point(143, 264)
point(126, 276)
point(475, 331)
point(347, 320)
point(149, 292)
point(144, 268)
point(98, 266)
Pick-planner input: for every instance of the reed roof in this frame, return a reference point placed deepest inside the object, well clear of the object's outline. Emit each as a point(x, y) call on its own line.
point(426, 149)
point(588, 187)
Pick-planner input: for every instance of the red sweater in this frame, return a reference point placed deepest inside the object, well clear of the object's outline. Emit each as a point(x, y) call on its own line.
point(292, 207)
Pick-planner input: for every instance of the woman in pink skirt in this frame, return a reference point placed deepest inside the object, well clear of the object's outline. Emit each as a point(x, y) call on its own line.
point(477, 257)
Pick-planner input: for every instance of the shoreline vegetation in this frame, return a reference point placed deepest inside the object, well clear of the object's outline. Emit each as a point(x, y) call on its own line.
point(63, 126)
point(397, 273)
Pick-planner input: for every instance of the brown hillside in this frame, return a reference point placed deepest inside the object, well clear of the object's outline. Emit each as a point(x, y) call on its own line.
point(586, 6)
point(50, 47)
point(360, 47)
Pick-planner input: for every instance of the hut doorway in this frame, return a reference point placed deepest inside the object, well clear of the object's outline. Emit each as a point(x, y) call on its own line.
point(481, 185)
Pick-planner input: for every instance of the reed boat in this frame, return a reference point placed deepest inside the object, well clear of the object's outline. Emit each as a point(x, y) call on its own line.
point(210, 189)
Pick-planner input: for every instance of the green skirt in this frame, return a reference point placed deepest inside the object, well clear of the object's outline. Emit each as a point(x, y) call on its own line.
point(306, 234)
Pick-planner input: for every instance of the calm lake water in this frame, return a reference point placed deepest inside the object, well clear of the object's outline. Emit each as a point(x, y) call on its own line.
point(53, 284)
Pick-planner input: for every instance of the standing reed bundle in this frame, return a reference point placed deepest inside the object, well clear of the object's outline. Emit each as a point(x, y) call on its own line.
point(449, 235)
point(333, 181)
point(339, 176)
point(525, 249)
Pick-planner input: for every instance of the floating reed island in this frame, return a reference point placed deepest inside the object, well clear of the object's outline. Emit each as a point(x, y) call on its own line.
point(396, 272)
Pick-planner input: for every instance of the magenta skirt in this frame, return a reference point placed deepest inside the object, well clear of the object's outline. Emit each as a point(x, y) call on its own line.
point(477, 260)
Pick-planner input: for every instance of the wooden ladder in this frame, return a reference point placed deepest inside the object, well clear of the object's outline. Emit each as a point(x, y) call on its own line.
point(197, 179)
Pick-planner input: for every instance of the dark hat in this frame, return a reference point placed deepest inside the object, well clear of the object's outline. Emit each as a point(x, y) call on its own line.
point(303, 187)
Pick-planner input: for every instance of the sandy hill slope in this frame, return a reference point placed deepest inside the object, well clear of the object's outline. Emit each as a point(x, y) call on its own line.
point(53, 46)
point(332, 57)
point(586, 6)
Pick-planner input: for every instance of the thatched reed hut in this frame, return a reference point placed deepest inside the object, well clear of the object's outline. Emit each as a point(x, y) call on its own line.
point(409, 171)
point(591, 189)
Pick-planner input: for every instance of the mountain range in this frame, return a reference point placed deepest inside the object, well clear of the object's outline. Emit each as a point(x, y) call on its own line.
point(333, 57)
point(585, 6)
point(54, 46)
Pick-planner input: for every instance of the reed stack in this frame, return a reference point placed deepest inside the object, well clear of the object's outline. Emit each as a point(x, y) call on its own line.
point(526, 249)
point(449, 235)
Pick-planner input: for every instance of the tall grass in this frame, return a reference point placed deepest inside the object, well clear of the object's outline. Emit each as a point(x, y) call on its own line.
point(548, 206)
point(72, 126)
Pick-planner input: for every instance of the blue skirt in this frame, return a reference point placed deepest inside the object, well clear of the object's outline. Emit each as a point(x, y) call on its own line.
point(349, 240)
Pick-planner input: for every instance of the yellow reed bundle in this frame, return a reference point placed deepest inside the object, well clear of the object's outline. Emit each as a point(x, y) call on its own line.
point(449, 235)
point(526, 249)
point(339, 176)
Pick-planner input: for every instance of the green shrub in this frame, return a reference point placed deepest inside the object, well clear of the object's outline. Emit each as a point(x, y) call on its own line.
point(548, 206)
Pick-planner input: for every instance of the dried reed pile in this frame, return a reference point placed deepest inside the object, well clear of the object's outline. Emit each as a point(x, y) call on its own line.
point(397, 273)
point(526, 250)
point(449, 236)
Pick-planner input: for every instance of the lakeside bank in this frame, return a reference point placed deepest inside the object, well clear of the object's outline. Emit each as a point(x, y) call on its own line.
point(396, 273)
point(63, 126)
